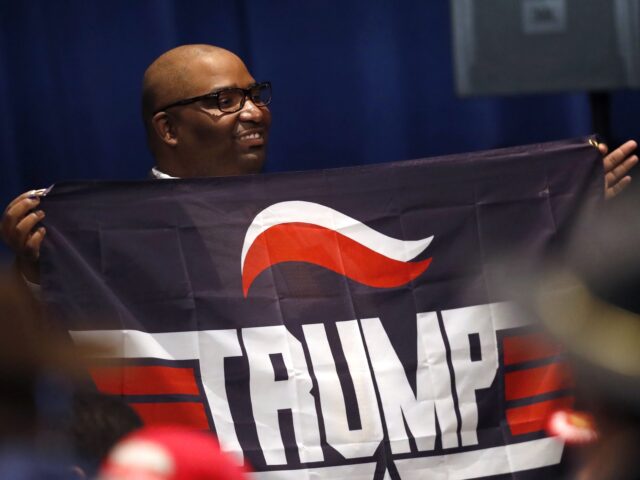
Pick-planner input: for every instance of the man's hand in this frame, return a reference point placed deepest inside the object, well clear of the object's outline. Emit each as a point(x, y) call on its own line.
point(616, 166)
point(20, 231)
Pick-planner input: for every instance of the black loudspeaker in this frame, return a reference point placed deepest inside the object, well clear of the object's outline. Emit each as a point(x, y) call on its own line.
point(527, 46)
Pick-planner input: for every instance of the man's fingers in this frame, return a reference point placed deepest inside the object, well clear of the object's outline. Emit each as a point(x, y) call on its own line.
point(618, 187)
point(34, 242)
point(24, 228)
point(14, 215)
point(620, 170)
point(603, 148)
point(30, 194)
point(619, 155)
point(617, 165)
point(18, 209)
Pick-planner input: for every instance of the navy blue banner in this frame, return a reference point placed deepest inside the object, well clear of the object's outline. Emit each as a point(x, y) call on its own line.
point(332, 324)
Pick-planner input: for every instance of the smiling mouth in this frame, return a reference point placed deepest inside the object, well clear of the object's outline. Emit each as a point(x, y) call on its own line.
point(250, 136)
point(251, 139)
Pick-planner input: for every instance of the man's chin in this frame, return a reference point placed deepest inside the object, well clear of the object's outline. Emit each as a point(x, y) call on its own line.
point(251, 162)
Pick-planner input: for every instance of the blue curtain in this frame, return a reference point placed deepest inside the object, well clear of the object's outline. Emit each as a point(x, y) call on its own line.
point(355, 81)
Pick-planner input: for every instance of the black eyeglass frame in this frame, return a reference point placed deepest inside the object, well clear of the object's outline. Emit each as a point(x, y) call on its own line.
point(246, 92)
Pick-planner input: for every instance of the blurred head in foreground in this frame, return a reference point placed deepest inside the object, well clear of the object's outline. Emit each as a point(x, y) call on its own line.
point(37, 374)
point(170, 453)
point(50, 427)
point(590, 301)
point(32, 359)
point(98, 422)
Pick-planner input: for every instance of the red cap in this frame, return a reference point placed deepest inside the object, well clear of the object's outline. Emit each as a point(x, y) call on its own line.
point(170, 453)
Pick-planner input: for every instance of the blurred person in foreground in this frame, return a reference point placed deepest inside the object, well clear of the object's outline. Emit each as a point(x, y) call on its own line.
point(98, 421)
point(51, 426)
point(170, 453)
point(205, 115)
point(37, 372)
point(589, 300)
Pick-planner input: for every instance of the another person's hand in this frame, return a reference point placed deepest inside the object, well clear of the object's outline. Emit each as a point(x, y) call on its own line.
point(616, 166)
point(20, 231)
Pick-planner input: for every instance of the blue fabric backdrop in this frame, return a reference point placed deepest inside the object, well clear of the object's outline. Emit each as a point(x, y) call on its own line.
point(355, 81)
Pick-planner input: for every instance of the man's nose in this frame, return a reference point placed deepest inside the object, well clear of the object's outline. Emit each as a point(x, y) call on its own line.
point(251, 112)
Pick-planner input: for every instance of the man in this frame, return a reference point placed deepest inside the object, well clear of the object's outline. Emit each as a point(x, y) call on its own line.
point(205, 116)
point(194, 134)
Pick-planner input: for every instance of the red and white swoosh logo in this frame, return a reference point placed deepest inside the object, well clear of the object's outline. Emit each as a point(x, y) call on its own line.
point(300, 231)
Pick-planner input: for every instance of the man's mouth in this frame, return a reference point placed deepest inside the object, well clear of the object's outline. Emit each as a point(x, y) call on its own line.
point(251, 138)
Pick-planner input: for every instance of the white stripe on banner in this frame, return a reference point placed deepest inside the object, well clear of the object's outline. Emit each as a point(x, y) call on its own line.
point(483, 463)
point(456, 466)
point(361, 471)
point(507, 315)
point(137, 344)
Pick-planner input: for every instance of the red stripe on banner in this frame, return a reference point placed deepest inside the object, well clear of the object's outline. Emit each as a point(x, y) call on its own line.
point(536, 381)
point(190, 414)
point(304, 242)
point(533, 418)
point(525, 348)
point(155, 380)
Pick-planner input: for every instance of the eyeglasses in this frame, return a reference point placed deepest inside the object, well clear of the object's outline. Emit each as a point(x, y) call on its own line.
point(229, 100)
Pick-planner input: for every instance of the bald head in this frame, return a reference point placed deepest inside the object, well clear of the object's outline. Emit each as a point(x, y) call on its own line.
point(197, 139)
point(171, 76)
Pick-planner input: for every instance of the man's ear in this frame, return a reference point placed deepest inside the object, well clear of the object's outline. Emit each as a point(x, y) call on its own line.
point(164, 128)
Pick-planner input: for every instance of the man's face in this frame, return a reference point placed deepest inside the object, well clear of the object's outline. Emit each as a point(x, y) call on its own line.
point(215, 143)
